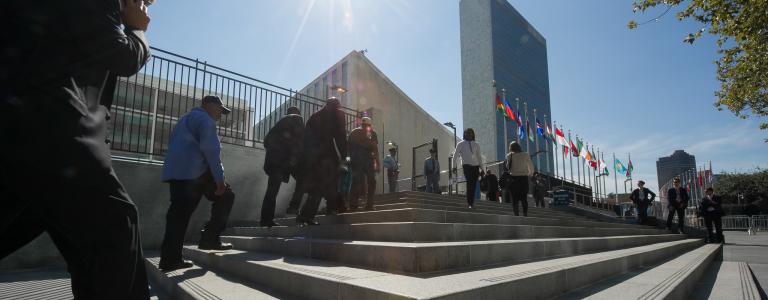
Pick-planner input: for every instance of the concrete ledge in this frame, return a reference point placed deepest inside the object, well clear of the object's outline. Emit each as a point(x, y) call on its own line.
point(435, 232)
point(674, 279)
point(197, 283)
point(727, 280)
point(433, 257)
point(309, 278)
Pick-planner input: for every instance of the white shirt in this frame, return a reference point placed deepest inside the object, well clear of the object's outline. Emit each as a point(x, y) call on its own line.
point(519, 164)
point(469, 152)
point(641, 194)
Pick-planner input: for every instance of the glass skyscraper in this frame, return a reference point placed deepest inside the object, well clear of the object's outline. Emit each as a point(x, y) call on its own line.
point(498, 44)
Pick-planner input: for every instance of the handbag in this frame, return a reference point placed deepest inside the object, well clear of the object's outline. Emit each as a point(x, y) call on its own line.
point(506, 180)
point(345, 175)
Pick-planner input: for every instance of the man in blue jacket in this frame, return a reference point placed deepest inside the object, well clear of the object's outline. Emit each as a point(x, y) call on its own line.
point(193, 168)
point(678, 201)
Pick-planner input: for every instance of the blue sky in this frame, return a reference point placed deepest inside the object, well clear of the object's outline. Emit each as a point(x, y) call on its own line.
point(640, 91)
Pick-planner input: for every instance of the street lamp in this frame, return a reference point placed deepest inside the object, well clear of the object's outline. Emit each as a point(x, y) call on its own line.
point(451, 158)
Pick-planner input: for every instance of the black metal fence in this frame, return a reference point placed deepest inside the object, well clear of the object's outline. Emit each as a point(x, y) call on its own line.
point(148, 104)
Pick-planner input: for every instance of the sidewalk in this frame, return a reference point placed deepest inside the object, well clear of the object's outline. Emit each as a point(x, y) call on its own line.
point(752, 249)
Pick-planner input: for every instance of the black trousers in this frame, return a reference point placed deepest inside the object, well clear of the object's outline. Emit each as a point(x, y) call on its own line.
point(392, 183)
point(642, 213)
point(492, 196)
point(363, 185)
point(519, 193)
point(680, 217)
point(714, 220)
point(298, 194)
point(91, 220)
point(270, 197)
point(538, 196)
point(471, 173)
point(185, 196)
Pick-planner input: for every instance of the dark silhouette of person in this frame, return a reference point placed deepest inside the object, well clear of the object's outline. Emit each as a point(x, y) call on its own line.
point(58, 71)
point(284, 143)
point(325, 152)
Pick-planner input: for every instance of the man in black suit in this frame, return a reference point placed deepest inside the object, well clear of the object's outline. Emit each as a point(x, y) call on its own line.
point(641, 197)
point(284, 143)
point(58, 69)
point(712, 211)
point(678, 201)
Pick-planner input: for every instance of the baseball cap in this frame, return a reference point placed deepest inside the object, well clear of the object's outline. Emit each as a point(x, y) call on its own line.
point(215, 99)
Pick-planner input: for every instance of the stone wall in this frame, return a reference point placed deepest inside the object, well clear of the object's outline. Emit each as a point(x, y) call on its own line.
point(243, 169)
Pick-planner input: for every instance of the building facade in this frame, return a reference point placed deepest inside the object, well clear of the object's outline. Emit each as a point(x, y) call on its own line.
point(397, 119)
point(673, 165)
point(499, 45)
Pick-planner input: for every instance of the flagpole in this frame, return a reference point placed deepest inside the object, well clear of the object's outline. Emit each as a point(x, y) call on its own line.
point(517, 136)
point(631, 183)
point(506, 141)
point(570, 155)
point(554, 151)
point(597, 176)
point(615, 180)
point(536, 141)
point(588, 175)
point(561, 131)
point(546, 143)
point(578, 165)
point(526, 124)
point(605, 185)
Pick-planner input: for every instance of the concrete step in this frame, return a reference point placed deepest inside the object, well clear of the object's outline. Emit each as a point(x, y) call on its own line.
point(434, 232)
point(727, 280)
point(393, 198)
point(504, 208)
point(674, 279)
point(439, 256)
point(445, 216)
point(315, 279)
point(199, 283)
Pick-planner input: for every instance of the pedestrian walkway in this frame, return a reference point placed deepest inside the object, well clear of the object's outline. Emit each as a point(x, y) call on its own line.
point(751, 249)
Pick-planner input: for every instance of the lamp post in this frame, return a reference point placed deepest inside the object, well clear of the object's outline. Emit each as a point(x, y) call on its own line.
point(451, 158)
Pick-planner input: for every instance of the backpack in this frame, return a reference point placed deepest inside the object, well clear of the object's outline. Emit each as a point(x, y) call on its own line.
point(506, 180)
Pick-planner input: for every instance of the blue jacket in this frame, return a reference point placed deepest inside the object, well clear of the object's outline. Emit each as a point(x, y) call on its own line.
point(194, 148)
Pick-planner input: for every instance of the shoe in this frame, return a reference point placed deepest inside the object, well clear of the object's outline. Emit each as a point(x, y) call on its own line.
point(269, 224)
point(214, 246)
point(470, 207)
point(308, 223)
point(292, 211)
point(175, 266)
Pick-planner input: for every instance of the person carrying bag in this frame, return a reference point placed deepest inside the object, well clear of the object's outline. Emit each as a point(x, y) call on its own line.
point(518, 168)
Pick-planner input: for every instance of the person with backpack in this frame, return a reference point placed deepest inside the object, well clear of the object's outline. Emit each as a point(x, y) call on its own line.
point(519, 167)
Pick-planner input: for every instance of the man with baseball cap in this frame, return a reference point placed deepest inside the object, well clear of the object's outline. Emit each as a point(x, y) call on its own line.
point(193, 168)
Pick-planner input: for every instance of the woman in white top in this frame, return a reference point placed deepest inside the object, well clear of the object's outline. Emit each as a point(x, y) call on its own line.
point(469, 152)
point(520, 167)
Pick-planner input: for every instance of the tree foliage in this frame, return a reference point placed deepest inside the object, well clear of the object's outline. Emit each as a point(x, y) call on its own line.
point(741, 27)
point(752, 186)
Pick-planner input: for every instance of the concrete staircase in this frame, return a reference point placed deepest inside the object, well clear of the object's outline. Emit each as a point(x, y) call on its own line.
point(425, 246)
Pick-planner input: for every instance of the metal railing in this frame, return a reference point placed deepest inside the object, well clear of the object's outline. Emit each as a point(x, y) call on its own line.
point(147, 105)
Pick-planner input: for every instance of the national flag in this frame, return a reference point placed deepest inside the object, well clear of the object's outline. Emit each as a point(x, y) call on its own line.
point(539, 129)
point(630, 168)
point(509, 113)
point(574, 150)
point(560, 137)
point(521, 133)
point(593, 164)
point(587, 156)
point(619, 166)
point(519, 119)
point(603, 168)
point(711, 175)
point(531, 136)
point(701, 179)
point(566, 150)
point(580, 146)
point(499, 105)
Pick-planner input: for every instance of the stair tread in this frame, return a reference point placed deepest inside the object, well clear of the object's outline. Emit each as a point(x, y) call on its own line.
point(419, 287)
point(199, 282)
point(727, 280)
point(655, 282)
